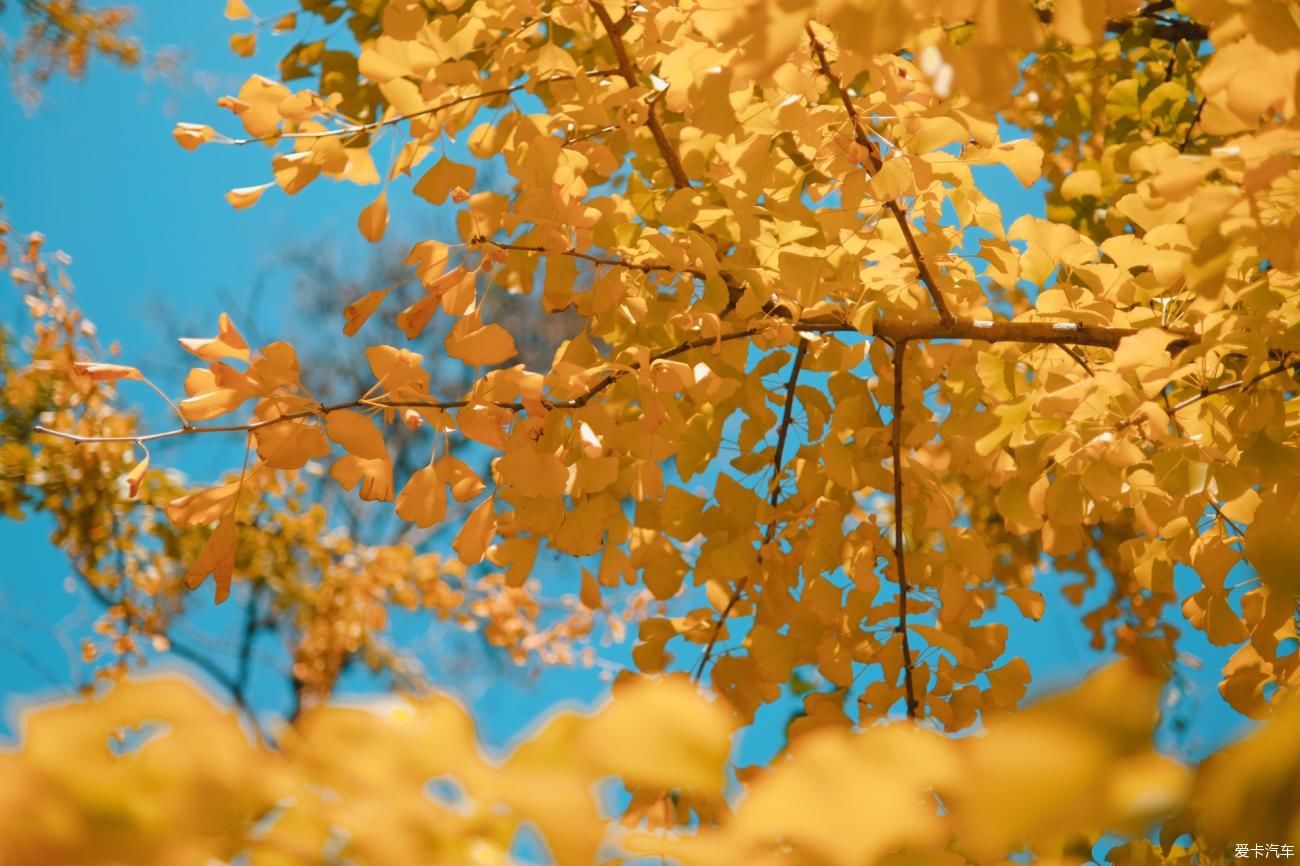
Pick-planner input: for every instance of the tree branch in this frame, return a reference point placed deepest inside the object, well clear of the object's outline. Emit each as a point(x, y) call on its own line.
point(895, 331)
point(628, 71)
point(875, 161)
point(1206, 393)
point(896, 445)
point(361, 128)
point(774, 499)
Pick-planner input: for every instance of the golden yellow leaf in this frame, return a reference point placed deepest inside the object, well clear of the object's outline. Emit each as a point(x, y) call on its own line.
point(373, 221)
point(472, 541)
point(423, 501)
point(246, 196)
point(237, 10)
point(359, 311)
point(136, 476)
point(217, 559)
point(191, 135)
point(589, 594)
point(532, 472)
point(436, 184)
point(662, 734)
point(357, 434)
point(202, 506)
point(228, 343)
point(290, 444)
point(480, 345)
point(243, 44)
point(1029, 602)
point(373, 477)
point(105, 372)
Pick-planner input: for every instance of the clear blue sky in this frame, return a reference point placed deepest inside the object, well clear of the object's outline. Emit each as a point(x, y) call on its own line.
point(147, 226)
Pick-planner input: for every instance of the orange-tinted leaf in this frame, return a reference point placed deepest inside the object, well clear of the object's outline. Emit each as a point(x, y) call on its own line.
point(217, 559)
point(106, 372)
point(359, 311)
point(373, 221)
point(246, 196)
point(474, 537)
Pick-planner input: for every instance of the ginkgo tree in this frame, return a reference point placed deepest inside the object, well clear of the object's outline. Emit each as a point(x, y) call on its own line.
point(824, 410)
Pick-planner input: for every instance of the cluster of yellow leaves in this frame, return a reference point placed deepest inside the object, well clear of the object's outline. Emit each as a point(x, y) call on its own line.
point(730, 198)
point(154, 773)
point(135, 538)
point(698, 177)
point(60, 36)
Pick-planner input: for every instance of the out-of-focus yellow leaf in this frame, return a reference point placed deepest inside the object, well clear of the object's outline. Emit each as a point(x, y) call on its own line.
point(359, 311)
point(662, 734)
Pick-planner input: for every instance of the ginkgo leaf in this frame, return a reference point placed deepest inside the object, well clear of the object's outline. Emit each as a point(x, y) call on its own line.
point(480, 345)
point(423, 501)
point(1023, 157)
point(191, 135)
point(227, 344)
point(371, 477)
point(476, 534)
point(105, 372)
point(357, 434)
point(589, 594)
point(290, 444)
point(243, 45)
point(373, 221)
point(136, 476)
point(1273, 547)
point(532, 472)
point(246, 196)
point(217, 558)
point(237, 10)
point(685, 746)
point(436, 184)
point(359, 311)
point(202, 506)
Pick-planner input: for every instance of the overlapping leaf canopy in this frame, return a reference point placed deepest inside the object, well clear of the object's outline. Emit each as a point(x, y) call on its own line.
point(824, 403)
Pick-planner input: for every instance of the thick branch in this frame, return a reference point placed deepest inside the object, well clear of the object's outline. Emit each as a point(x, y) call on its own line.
point(774, 499)
point(900, 561)
point(1053, 333)
point(875, 161)
point(628, 71)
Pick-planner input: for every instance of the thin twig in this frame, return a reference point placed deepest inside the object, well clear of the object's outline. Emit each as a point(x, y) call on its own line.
point(360, 402)
point(1206, 393)
point(774, 499)
point(361, 128)
point(896, 445)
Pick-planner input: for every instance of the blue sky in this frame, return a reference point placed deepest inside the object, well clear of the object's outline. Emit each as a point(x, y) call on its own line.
point(148, 229)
